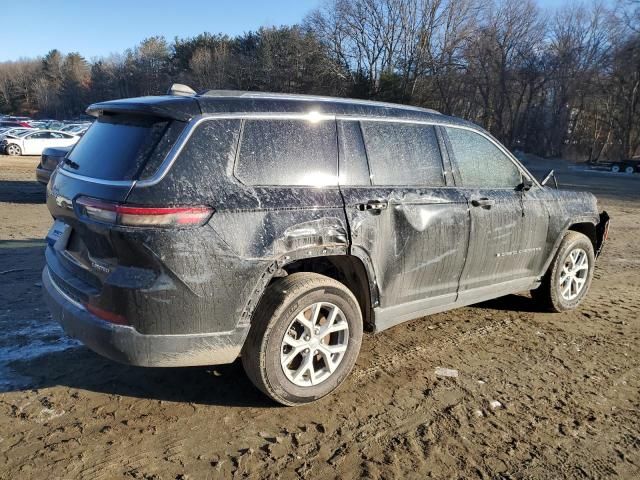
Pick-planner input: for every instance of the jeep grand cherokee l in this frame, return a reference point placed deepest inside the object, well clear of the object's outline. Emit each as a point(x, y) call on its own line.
point(194, 229)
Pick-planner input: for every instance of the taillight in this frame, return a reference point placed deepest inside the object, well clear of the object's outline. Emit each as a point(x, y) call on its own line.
point(106, 315)
point(141, 216)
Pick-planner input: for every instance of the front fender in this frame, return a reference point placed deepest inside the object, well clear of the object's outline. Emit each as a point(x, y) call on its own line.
point(596, 221)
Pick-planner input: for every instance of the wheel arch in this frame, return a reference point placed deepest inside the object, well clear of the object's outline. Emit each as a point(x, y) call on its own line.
point(584, 225)
point(347, 269)
point(588, 229)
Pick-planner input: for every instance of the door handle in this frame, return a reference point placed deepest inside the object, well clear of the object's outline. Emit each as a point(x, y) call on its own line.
point(482, 202)
point(372, 205)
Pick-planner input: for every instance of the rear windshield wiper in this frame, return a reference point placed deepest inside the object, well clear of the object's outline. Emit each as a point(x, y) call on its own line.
point(71, 163)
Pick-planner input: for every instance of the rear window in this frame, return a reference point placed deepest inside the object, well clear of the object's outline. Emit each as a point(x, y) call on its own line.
point(288, 152)
point(116, 147)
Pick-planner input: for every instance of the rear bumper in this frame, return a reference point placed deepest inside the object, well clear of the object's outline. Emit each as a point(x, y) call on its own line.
point(43, 175)
point(126, 345)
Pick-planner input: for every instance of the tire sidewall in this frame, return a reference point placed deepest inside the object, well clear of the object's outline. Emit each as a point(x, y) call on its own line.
point(567, 246)
point(275, 377)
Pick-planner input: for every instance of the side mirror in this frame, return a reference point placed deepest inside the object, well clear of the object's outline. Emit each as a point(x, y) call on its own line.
point(549, 176)
point(526, 185)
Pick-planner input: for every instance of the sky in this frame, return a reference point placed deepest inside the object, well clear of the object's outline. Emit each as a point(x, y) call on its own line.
point(94, 28)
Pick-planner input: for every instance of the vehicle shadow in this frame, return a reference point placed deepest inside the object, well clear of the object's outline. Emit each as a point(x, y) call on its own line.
point(36, 353)
point(22, 191)
point(80, 368)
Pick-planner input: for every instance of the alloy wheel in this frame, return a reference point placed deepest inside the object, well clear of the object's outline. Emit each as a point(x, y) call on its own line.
point(574, 274)
point(13, 149)
point(314, 344)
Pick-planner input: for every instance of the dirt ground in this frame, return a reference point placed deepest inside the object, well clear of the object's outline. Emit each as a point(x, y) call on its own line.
point(568, 384)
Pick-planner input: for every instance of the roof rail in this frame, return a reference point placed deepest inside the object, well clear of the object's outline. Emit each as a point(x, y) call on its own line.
point(310, 98)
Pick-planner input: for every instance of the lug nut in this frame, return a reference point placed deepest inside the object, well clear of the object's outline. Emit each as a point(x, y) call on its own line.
point(307, 338)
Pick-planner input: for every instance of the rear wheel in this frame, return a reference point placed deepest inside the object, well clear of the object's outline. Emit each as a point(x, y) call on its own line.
point(13, 149)
point(304, 339)
point(569, 276)
point(615, 168)
point(629, 169)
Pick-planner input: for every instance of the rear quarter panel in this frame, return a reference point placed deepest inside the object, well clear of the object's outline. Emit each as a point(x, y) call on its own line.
point(221, 269)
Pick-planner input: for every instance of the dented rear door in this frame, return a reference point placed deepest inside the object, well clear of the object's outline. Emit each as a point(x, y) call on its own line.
point(415, 235)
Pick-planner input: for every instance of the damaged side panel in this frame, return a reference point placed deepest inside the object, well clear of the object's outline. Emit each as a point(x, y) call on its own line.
point(215, 275)
point(417, 244)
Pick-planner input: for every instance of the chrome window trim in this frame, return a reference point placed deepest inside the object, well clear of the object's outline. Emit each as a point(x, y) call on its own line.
point(113, 183)
point(196, 121)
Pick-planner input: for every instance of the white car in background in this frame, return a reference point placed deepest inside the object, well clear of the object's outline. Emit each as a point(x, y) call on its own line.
point(33, 143)
point(14, 131)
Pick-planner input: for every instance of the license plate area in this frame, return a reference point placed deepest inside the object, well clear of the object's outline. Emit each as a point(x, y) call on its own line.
point(58, 234)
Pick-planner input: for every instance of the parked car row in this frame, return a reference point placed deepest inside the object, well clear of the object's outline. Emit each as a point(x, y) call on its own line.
point(34, 142)
point(24, 136)
point(14, 125)
point(46, 124)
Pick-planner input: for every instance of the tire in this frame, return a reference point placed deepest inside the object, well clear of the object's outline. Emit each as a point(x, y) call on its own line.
point(629, 169)
point(615, 168)
point(552, 293)
point(284, 302)
point(13, 149)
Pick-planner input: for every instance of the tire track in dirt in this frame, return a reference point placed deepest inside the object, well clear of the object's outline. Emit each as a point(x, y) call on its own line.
point(407, 412)
point(406, 354)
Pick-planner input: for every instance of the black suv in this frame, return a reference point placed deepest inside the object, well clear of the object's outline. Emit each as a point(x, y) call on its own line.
point(193, 229)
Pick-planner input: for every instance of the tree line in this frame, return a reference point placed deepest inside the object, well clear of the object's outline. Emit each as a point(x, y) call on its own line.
point(561, 82)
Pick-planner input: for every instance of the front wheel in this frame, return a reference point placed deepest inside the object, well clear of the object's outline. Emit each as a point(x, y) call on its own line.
point(13, 149)
point(629, 169)
point(568, 279)
point(304, 339)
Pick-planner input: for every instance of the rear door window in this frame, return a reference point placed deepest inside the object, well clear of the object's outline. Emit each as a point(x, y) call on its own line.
point(403, 154)
point(288, 152)
point(116, 147)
